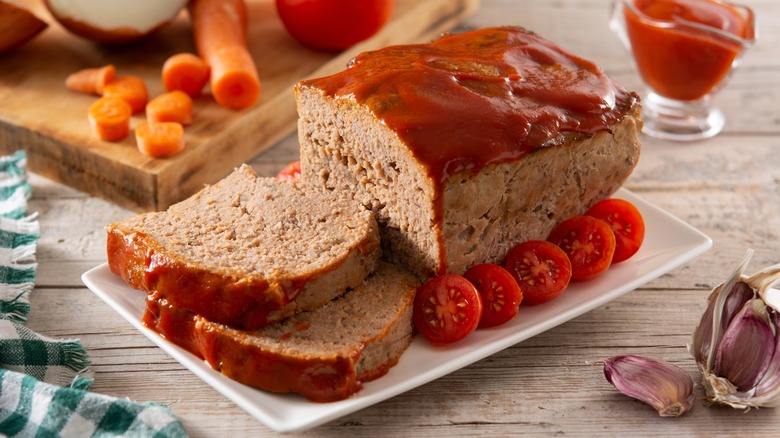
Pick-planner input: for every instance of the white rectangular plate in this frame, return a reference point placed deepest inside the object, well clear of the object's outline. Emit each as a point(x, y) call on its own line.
point(668, 244)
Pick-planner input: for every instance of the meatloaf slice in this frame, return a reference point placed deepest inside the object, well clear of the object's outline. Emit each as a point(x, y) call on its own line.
point(465, 146)
point(323, 354)
point(248, 251)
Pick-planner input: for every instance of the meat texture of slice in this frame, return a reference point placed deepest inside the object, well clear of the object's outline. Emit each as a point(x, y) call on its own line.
point(248, 251)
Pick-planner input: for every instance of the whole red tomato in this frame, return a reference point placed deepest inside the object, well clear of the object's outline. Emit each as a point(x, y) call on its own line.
point(333, 25)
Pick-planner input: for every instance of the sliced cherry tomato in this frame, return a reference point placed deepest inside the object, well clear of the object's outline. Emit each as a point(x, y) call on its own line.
point(626, 222)
point(446, 309)
point(501, 296)
point(589, 243)
point(291, 171)
point(333, 25)
point(541, 269)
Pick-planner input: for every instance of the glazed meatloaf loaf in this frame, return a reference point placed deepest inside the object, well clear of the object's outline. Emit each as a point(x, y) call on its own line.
point(248, 251)
point(465, 146)
point(324, 354)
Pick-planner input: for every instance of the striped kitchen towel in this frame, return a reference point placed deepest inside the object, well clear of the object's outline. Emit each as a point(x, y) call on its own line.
point(44, 382)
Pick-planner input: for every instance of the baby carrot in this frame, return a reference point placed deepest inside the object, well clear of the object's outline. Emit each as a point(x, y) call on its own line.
point(174, 106)
point(91, 80)
point(109, 118)
point(160, 139)
point(130, 88)
point(185, 72)
point(219, 30)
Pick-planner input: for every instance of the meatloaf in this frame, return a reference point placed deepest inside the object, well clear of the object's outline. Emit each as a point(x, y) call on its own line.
point(248, 251)
point(465, 146)
point(324, 354)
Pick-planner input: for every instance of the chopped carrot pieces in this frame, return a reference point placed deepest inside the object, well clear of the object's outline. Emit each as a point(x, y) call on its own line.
point(174, 106)
point(219, 31)
point(130, 88)
point(160, 139)
point(185, 72)
point(109, 118)
point(91, 80)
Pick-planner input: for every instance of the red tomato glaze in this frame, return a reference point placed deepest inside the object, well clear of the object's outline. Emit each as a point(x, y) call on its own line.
point(319, 380)
point(486, 96)
point(238, 302)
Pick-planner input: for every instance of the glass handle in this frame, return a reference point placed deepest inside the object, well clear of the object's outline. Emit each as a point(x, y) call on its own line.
point(617, 23)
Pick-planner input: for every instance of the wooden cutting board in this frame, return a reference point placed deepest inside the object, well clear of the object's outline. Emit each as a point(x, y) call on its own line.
point(38, 114)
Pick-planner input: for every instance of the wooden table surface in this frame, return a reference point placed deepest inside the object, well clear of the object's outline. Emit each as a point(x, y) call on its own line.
point(727, 187)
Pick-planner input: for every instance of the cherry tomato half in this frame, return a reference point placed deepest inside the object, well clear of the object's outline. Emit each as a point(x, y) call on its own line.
point(541, 269)
point(499, 291)
point(589, 243)
point(291, 171)
point(626, 222)
point(333, 25)
point(446, 309)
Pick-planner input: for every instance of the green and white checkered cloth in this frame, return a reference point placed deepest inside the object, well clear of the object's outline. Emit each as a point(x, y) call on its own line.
point(44, 382)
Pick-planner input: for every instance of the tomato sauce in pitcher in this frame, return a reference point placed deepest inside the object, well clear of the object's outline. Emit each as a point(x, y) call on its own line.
point(684, 49)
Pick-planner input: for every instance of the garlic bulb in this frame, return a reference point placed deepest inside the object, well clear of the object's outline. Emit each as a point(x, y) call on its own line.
point(737, 341)
point(660, 384)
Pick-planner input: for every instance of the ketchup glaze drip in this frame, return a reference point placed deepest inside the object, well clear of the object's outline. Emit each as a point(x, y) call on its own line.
point(480, 97)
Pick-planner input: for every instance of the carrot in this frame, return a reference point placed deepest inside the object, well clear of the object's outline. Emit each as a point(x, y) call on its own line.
point(109, 118)
point(174, 106)
point(219, 29)
point(185, 72)
point(130, 88)
point(160, 139)
point(91, 80)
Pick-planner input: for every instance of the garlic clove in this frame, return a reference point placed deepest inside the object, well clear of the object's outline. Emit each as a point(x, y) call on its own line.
point(660, 384)
point(741, 366)
point(745, 351)
point(767, 392)
point(720, 298)
point(702, 336)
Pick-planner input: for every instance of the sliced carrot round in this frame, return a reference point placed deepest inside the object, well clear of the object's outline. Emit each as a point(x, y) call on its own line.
point(109, 118)
point(160, 139)
point(236, 87)
point(185, 72)
point(130, 88)
point(174, 106)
